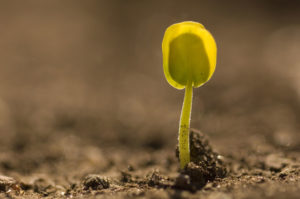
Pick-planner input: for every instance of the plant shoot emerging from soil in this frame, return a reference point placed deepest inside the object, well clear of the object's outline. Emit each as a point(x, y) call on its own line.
point(189, 60)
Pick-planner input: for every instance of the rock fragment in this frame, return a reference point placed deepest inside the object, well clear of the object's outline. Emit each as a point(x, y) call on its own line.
point(6, 182)
point(275, 162)
point(95, 182)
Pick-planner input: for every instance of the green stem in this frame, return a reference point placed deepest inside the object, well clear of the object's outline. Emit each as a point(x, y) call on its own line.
point(184, 127)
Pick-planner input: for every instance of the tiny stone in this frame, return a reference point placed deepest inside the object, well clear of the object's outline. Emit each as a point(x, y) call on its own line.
point(285, 172)
point(260, 179)
point(283, 175)
point(6, 182)
point(209, 186)
point(275, 162)
point(95, 182)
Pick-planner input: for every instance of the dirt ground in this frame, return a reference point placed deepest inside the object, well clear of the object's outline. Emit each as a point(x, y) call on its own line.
point(85, 110)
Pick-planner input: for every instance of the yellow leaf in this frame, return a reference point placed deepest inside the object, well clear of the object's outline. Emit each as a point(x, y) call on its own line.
point(189, 54)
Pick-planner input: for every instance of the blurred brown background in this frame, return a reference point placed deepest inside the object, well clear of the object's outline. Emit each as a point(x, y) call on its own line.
point(93, 70)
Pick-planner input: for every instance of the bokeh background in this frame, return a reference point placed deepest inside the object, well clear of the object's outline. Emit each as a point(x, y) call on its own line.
point(92, 71)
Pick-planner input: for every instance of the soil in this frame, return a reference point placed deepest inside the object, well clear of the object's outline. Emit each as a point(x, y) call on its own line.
point(68, 172)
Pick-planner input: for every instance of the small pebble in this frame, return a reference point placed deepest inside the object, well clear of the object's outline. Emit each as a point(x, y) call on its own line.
point(95, 182)
point(6, 182)
point(275, 163)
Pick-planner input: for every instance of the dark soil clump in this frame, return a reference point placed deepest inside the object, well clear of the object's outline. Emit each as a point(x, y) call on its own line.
point(95, 182)
point(206, 165)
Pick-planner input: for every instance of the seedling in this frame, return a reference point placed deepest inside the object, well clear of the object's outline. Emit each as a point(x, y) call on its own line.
point(189, 60)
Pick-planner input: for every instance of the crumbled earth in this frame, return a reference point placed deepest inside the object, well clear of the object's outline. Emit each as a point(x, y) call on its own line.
point(206, 165)
point(262, 173)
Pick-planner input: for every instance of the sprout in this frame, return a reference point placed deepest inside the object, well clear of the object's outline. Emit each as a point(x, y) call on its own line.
point(189, 60)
